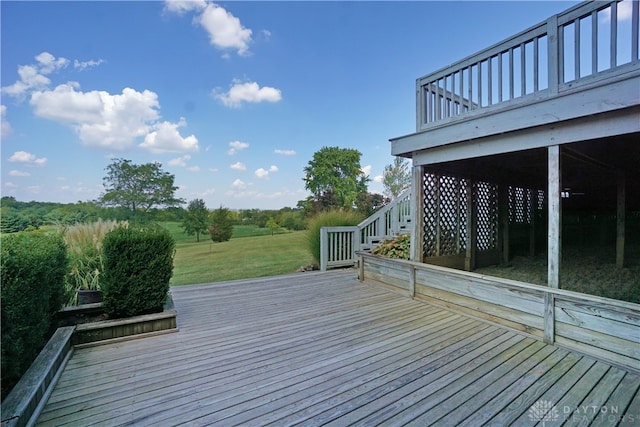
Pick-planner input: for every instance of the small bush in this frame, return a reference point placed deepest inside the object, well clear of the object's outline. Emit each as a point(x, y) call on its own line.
point(397, 247)
point(33, 270)
point(138, 264)
point(334, 218)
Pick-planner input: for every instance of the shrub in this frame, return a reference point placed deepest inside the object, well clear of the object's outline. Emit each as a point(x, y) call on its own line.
point(84, 248)
point(333, 218)
point(397, 247)
point(138, 263)
point(32, 277)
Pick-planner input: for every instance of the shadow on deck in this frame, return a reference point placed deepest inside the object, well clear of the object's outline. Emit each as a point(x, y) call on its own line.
point(325, 349)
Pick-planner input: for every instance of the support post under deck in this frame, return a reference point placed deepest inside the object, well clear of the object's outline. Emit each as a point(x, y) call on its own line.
point(554, 246)
point(620, 221)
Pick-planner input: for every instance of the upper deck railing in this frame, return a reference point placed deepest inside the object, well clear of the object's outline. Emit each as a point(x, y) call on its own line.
point(591, 41)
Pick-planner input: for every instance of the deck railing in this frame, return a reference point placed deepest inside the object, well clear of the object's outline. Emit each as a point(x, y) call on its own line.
point(590, 41)
point(338, 245)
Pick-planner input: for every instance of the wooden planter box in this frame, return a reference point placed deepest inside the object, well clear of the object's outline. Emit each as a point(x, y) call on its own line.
point(23, 405)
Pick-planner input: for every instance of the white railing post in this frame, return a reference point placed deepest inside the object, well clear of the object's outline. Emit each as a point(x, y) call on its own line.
point(553, 54)
point(324, 248)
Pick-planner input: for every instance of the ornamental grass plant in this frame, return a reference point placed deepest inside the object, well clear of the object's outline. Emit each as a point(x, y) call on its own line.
point(333, 218)
point(84, 249)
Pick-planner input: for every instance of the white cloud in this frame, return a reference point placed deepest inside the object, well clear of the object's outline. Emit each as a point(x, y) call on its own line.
point(238, 166)
point(83, 65)
point(264, 173)
point(225, 30)
point(213, 170)
point(193, 168)
point(285, 152)
point(167, 139)
point(182, 6)
point(48, 63)
point(261, 173)
point(18, 173)
point(378, 178)
point(248, 92)
point(5, 126)
point(27, 158)
point(34, 76)
point(207, 192)
point(277, 195)
point(235, 146)
point(9, 184)
point(366, 170)
point(180, 161)
point(239, 184)
point(104, 120)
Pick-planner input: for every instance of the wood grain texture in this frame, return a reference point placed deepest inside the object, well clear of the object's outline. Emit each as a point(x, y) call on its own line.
point(322, 349)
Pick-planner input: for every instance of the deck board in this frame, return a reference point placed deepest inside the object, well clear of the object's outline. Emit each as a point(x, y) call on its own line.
point(324, 349)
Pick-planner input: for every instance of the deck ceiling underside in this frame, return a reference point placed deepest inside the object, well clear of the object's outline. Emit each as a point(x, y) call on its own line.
point(589, 171)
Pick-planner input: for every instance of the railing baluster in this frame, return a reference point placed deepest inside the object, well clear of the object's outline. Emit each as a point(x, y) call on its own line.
point(523, 70)
point(469, 89)
point(614, 34)
point(635, 17)
point(511, 76)
point(490, 81)
point(576, 48)
point(536, 68)
point(594, 42)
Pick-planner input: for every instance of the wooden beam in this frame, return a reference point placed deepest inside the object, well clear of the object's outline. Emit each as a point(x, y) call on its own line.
point(554, 251)
point(620, 220)
point(417, 220)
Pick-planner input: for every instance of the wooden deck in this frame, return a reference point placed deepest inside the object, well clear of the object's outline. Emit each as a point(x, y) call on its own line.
point(325, 349)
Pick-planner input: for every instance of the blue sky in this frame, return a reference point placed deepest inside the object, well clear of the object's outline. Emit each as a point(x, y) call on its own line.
point(233, 98)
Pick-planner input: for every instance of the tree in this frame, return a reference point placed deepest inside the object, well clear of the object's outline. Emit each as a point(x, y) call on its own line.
point(337, 171)
point(368, 203)
point(272, 225)
point(138, 187)
point(221, 227)
point(396, 178)
point(196, 218)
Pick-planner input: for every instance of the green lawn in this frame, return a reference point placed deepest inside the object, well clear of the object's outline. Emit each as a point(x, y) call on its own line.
point(239, 258)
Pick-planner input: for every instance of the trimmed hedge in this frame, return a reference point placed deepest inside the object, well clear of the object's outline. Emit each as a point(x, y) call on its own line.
point(138, 264)
point(32, 276)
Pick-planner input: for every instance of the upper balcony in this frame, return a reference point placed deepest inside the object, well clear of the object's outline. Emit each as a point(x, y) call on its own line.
point(578, 63)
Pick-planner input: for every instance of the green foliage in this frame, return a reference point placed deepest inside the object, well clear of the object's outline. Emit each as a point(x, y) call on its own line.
point(396, 178)
point(12, 221)
point(293, 220)
point(32, 276)
point(221, 228)
point(138, 187)
point(336, 171)
point(334, 218)
point(138, 264)
point(196, 218)
point(272, 225)
point(368, 203)
point(398, 247)
point(84, 248)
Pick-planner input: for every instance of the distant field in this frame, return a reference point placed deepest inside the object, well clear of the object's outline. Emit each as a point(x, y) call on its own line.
point(257, 253)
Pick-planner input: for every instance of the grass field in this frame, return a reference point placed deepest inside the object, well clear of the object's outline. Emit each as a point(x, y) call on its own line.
point(252, 252)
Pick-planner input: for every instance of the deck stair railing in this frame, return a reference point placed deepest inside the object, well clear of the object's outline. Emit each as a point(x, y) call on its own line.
point(591, 41)
point(338, 245)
